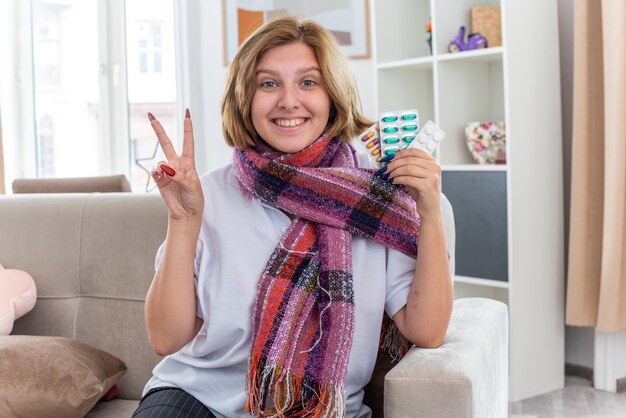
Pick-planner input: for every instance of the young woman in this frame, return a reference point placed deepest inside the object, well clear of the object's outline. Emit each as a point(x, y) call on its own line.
point(276, 271)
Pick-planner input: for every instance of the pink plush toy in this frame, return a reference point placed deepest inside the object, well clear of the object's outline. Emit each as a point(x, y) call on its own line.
point(17, 297)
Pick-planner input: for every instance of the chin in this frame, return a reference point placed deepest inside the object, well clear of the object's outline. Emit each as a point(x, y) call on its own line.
point(288, 146)
point(291, 150)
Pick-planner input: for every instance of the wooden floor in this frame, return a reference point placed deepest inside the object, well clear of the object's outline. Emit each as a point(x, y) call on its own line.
point(578, 399)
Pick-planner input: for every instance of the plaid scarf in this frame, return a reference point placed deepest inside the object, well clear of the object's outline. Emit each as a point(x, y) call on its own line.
point(303, 315)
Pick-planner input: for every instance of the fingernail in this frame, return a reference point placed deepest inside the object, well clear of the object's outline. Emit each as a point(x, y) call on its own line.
point(388, 158)
point(381, 171)
point(187, 115)
point(168, 170)
point(151, 116)
point(385, 176)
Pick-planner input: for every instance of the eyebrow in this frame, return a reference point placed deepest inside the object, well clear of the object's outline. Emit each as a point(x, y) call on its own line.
point(300, 71)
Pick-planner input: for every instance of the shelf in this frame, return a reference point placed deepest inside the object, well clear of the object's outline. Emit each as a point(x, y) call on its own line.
point(478, 55)
point(407, 87)
point(495, 254)
point(484, 54)
point(474, 167)
point(468, 91)
point(417, 63)
point(449, 15)
point(478, 199)
point(481, 282)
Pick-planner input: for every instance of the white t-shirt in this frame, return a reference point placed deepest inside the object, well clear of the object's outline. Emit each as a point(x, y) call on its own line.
point(236, 239)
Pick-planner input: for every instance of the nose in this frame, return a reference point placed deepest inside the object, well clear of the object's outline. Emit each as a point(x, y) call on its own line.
point(288, 98)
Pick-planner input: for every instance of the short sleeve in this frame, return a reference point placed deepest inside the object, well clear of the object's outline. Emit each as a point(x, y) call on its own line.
point(400, 273)
point(196, 269)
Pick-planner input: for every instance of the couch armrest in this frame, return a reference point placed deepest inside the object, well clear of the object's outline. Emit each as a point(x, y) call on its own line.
point(467, 377)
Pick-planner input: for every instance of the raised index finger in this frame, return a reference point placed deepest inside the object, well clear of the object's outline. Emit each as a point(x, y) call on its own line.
point(164, 140)
point(188, 141)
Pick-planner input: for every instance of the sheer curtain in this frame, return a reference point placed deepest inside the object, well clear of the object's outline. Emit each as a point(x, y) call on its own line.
point(1, 163)
point(596, 291)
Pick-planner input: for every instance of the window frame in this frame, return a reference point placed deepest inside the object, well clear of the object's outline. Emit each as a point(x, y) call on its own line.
point(17, 102)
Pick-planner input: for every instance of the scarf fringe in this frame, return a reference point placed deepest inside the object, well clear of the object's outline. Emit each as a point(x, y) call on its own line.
point(291, 396)
point(392, 342)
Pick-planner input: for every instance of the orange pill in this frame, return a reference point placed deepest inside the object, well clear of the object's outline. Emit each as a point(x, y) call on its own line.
point(374, 142)
point(368, 136)
point(376, 151)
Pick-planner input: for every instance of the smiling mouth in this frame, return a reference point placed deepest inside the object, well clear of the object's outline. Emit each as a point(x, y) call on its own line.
point(289, 123)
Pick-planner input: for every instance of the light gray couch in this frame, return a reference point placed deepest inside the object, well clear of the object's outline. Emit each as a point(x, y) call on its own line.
point(92, 258)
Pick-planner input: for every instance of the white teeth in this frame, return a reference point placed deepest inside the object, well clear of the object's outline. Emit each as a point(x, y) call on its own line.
point(289, 122)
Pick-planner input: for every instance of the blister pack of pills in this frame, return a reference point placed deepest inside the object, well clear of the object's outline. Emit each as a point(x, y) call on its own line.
point(368, 142)
point(397, 130)
point(428, 137)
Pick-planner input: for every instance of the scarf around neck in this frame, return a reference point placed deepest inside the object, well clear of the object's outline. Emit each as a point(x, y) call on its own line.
point(303, 314)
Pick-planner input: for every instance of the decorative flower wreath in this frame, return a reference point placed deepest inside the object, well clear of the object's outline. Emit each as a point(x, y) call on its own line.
point(486, 141)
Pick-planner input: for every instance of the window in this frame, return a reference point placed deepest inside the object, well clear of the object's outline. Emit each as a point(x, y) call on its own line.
point(99, 66)
point(66, 87)
point(149, 44)
point(151, 83)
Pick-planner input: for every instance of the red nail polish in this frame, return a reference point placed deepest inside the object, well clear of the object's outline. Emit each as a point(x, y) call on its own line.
point(187, 115)
point(151, 116)
point(168, 170)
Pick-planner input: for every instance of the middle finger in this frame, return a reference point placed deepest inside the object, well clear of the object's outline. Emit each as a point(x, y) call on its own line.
point(188, 140)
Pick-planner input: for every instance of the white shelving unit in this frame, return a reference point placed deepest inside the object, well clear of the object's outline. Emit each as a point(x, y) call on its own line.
point(509, 217)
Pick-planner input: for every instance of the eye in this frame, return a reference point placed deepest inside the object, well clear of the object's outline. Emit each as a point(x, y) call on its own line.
point(268, 84)
point(309, 83)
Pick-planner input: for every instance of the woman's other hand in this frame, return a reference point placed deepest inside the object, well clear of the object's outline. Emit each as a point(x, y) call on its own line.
point(176, 178)
point(424, 319)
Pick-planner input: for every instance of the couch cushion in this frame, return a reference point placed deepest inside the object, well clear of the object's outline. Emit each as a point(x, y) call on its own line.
point(120, 236)
point(41, 235)
point(53, 376)
point(119, 240)
point(118, 326)
point(92, 259)
point(50, 316)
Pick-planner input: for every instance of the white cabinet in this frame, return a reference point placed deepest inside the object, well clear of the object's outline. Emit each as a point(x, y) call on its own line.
point(509, 217)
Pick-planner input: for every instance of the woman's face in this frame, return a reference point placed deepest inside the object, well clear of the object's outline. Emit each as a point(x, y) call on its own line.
point(290, 106)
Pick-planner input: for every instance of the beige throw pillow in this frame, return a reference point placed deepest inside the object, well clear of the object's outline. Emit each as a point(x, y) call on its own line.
point(53, 376)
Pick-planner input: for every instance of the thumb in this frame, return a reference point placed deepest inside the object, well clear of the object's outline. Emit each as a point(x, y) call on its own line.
point(169, 171)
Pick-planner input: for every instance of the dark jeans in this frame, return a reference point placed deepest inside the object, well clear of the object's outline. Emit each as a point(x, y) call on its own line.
point(170, 402)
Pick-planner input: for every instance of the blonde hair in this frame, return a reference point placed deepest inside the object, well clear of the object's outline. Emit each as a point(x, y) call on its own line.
point(346, 120)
